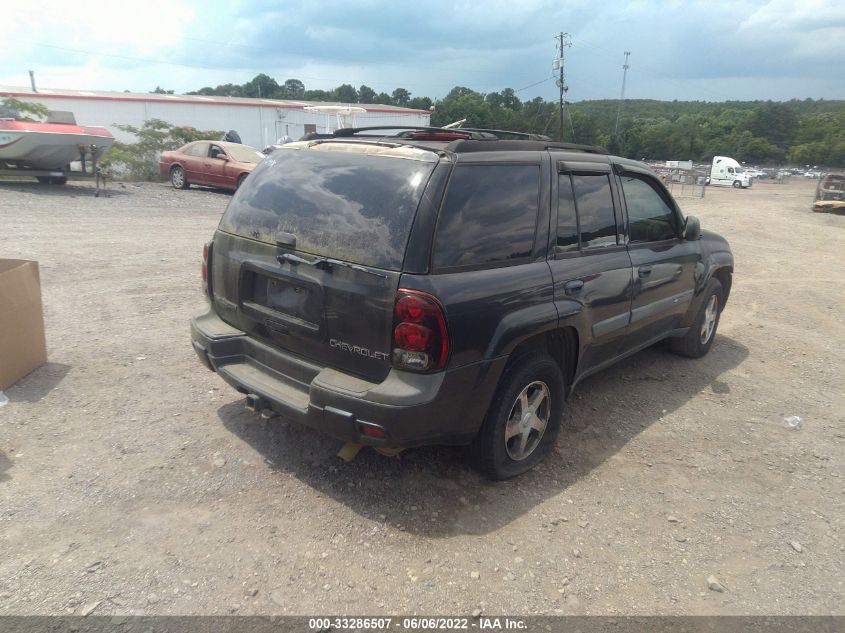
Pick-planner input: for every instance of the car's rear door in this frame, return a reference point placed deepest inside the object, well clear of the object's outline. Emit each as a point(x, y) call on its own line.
point(193, 159)
point(664, 263)
point(590, 263)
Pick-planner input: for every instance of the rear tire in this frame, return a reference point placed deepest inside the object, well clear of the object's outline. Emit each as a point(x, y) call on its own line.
point(52, 180)
point(523, 421)
point(699, 339)
point(178, 178)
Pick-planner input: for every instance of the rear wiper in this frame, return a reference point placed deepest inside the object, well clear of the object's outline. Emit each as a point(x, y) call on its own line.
point(326, 263)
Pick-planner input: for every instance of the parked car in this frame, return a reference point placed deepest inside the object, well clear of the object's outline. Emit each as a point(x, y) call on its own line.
point(210, 163)
point(443, 286)
point(830, 193)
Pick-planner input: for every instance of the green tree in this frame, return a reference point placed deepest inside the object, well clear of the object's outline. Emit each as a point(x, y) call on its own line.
point(345, 93)
point(420, 103)
point(293, 89)
point(22, 110)
point(401, 97)
point(262, 86)
point(366, 94)
point(775, 122)
point(317, 95)
point(463, 103)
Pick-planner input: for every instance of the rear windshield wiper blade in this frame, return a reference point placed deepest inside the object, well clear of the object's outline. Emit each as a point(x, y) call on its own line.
point(326, 263)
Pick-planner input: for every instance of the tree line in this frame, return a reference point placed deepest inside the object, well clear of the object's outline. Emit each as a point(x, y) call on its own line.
point(796, 132)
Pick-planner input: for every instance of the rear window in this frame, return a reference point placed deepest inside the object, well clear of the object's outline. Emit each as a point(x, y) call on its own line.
point(356, 207)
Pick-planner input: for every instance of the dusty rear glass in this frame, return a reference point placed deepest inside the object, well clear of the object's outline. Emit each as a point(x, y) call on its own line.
point(353, 206)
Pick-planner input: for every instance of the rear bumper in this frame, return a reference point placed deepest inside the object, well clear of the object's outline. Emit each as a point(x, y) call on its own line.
point(410, 409)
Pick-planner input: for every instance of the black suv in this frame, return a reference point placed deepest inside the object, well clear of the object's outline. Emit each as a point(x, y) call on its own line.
point(440, 286)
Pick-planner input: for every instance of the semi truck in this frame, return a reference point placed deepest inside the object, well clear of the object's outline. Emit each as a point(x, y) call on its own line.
point(726, 172)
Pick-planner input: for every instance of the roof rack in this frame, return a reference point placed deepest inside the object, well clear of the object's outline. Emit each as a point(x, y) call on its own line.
point(577, 147)
point(509, 134)
point(472, 145)
point(465, 140)
point(419, 132)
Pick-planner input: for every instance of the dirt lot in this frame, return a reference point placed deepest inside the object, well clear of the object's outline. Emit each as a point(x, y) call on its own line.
point(133, 480)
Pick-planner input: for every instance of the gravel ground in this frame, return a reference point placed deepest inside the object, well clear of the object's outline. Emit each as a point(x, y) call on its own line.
point(133, 481)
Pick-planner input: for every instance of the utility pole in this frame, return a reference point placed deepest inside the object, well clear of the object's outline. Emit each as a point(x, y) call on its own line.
point(563, 41)
point(625, 68)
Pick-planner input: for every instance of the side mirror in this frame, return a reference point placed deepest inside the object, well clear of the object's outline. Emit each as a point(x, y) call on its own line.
point(221, 157)
point(692, 228)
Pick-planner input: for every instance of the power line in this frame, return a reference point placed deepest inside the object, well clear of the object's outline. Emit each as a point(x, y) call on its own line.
point(537, 83)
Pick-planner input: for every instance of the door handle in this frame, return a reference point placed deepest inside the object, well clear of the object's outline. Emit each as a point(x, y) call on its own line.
point(644, 271)
point(571, 287)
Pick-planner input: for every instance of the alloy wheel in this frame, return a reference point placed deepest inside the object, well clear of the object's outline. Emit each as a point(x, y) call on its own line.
point(527, 421)
point(709, 323)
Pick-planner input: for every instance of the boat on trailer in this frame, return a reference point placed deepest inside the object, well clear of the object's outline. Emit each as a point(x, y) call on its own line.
point(46, 150)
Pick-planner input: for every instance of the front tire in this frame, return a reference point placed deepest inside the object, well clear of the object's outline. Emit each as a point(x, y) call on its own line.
point(737, 184)
point(241, 179)
point(523, 421)
point(699, 339)
point(178, 178)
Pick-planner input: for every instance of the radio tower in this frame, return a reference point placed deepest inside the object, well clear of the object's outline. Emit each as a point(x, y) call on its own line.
point(625, 68)
point(563, 41)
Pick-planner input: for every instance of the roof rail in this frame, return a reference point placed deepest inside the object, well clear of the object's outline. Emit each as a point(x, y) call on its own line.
point(510, 134)
point(576, 147)
point(407, 131)
point(474, 145)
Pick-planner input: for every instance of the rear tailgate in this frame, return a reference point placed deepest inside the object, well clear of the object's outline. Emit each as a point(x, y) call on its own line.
point(337, 317)
point(308, 255)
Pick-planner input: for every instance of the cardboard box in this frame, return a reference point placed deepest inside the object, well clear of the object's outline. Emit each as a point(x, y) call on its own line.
point(22, 343)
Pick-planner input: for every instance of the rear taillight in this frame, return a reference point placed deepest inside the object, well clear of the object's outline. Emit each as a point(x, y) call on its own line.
point(420, 338)
point(206, 262)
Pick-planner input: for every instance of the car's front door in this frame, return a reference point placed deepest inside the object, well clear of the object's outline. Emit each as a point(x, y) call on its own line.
point(215, 166)
point(590, 263)
point(664, 263)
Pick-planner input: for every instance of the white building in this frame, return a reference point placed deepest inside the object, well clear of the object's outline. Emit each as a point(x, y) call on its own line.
point(259, 122)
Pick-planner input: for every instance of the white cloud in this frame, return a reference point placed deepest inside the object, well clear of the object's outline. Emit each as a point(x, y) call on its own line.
point(684, 50)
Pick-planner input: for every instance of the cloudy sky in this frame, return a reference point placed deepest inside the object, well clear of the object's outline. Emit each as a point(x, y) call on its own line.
point(714, 50)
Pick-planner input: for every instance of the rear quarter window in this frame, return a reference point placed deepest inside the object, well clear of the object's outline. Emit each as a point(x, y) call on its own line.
point(488, 217)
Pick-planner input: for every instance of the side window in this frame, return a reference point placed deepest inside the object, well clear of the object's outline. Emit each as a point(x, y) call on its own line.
point(567, 221)
point(215, 150)
point(489, 216)
point(199, 149)
point(650, 217)
point(595, 210)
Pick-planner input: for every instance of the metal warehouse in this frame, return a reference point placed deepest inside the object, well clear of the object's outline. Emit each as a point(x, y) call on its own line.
point(259, 122)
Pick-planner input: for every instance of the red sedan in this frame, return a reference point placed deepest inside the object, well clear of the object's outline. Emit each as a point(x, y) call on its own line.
point(210, 163)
